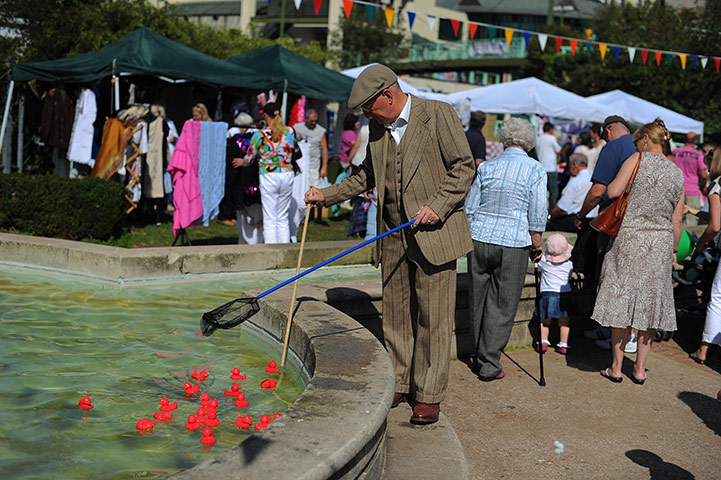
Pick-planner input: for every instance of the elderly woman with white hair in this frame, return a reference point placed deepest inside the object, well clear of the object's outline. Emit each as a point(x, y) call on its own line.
point(506, 208)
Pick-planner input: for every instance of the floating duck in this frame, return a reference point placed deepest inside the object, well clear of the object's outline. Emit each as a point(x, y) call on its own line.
point(166, 406)
point(260, 426)
point(235, 374)
point(85, 403)
point(211, 420)
point(204, 399)
point(193, 423)
point(271, 367)
point(145, 424)
point(163, 416)
point(244, 422)
point(241, 401)
point(234, 390)
point(200, 376)
point(265, 419)
point(208, 438)
point(277, 416)
point(213, 403)
point(191, 388)
point(269, 383)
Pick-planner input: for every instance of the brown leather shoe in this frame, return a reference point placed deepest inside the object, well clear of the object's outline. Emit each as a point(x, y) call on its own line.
point(425, 413)
point(397, 399)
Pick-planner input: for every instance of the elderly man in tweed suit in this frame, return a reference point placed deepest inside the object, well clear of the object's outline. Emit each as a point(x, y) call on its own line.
point(419, 160)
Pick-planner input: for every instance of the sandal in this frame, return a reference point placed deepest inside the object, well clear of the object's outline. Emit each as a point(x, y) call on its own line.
point(693, 357)
point(605, 373)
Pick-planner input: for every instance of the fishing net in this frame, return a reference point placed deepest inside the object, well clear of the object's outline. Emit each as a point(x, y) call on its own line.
point(229, 315)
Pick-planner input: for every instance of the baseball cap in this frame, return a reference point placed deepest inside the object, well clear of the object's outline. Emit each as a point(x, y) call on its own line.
point(613, 119)
point(372, 81)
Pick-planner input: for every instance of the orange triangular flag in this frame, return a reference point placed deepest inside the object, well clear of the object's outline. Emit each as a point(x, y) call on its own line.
point(574, 44)
point(347, 7)
point(472, 29)
point(455, 24)
point(658, 58)
point(602, 47)
point(509, 35)
point(683, 61)
point(389, 16)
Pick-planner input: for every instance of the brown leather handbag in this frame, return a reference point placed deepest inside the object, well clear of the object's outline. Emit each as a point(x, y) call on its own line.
point(609, 220)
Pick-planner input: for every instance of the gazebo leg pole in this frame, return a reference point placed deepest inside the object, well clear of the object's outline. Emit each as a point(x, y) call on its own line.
point(21, 134)
point(5, 114)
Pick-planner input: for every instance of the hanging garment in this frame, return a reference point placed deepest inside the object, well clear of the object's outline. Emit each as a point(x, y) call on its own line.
point(57, 120)
point(116, 134)
point(211, 167)
point(301, 184)
point(81, 138)
point(186, 186)
point(153, 175)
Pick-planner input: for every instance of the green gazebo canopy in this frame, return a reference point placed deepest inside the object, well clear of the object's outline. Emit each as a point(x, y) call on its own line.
point(295, 74)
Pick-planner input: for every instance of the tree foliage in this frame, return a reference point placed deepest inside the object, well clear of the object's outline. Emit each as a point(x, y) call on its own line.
point(648, 25)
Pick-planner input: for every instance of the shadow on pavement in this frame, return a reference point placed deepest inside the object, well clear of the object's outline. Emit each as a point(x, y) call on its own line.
point(705, 408)
point(658, 469)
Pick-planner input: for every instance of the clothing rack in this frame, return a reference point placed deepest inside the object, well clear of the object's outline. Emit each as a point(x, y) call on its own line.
point(135, 179)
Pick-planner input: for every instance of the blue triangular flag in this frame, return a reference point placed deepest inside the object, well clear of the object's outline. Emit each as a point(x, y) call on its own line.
point(616, 52)
point(694, 59)
point(411, 18)
point(527, 37)
point(370, 10)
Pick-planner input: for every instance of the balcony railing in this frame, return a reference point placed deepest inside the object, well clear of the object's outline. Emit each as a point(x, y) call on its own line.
point(468, 49)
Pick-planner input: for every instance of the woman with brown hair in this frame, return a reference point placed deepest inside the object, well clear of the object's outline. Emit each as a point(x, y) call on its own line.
point(635, 289)
point(272, 148)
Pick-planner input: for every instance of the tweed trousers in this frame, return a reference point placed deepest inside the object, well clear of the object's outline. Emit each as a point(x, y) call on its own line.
point(497, 277)
point(419, 302)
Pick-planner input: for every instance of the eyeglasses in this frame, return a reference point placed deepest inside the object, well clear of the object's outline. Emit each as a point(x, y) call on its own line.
point(366, 107)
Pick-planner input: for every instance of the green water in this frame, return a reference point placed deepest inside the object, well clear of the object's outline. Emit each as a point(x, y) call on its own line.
point(126, 348)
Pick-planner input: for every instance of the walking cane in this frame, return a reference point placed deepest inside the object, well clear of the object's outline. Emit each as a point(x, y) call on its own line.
point(542, 381)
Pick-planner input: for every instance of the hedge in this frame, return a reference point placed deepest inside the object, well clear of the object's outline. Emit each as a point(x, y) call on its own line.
point(52, 206)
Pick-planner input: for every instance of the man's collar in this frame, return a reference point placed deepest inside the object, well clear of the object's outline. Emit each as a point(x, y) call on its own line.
point(403, 117)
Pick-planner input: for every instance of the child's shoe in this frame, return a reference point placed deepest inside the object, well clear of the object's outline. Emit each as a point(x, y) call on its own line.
point(562, 348)
point(543, 347)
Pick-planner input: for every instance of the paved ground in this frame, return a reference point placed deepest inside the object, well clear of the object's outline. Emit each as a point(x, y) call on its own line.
point(668, 428)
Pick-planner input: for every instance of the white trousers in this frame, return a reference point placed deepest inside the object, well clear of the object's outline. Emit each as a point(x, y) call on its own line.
point(712, 328)
point(276, 190)
point(249, 222)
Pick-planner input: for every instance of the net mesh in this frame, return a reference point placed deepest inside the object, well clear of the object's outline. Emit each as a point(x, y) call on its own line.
point(228, 315)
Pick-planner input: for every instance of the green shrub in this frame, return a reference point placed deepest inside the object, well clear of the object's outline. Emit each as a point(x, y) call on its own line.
point(52, 206)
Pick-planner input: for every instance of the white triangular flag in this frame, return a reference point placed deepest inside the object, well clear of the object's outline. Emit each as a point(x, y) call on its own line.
point(542, 38)
point(704, 61)
point(431, 21)
point(297, 4)
point(631, 54)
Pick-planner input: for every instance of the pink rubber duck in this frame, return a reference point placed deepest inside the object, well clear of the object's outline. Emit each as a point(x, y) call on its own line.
point(271, 367)
point(241, 401)
point(244, 422)
point(166, 406)
point(211, 420)
point(235, 374)
point(145, 424)
point(208, 438)
point(234, 390)
point(191, 388)
point(204, 399)
point(163, 416)
point(85, 403)
point(193, 423)
point(269, 383)
point(200, 376)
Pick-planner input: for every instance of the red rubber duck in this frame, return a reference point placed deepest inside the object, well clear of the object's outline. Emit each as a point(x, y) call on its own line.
point(213, 404)
point(204, 399)
point(234, 390)
point(265, 419)
point(269, 383)
point(235, 374)
point(166, 406)
point(208, 438)
point(191, 388)
point(277, 416)
point(244, 422)
point(163, 416)
point(260, 426)
point(193, 423)
point(241, 401)
point(200, 376)
point(271, 368)
point(85, 403)
point(211, 420)
point(145, 424)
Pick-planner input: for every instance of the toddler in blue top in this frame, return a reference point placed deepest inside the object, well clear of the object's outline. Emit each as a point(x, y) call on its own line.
point(556, 297)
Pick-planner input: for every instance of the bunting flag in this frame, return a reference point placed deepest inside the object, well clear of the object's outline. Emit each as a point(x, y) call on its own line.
point(347, 7)
point(297, 4)
point(389, 16)
point(574, 44)
point(717, 61)
point(669, 59)
point(588, 46)
point(431, 21)
point(472, 29)
point(658, 58)
point(269, 3)
point(616, 52)
point(527, 37)
point(704, 61)
point(370, 10)
point(694, 61)
point(509, 35)
point(491, 32)
point(316, 5)
point(683, 61)
point(455, 24)
point(644, 55)
point(602, 47)
point(411, 19)
point(631, 54)
point(542, 38)
point(559, 42)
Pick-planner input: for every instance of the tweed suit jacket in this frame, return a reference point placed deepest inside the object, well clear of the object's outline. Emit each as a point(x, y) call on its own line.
point(437, 170)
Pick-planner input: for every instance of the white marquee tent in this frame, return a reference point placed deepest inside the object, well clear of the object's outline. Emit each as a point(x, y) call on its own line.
point(405, 86)
point(638, 111)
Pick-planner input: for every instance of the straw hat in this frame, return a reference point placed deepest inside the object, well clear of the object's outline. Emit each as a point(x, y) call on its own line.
point(558, 250)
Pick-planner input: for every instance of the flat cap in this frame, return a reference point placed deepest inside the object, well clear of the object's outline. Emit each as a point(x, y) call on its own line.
point(372, 81)
point(615, 119)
